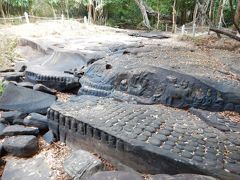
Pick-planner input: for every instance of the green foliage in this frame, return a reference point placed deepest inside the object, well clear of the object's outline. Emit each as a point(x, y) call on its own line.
point(122, 13)
point(1, 88)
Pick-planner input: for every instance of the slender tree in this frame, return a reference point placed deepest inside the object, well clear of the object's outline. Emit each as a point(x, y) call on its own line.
point(142, 7)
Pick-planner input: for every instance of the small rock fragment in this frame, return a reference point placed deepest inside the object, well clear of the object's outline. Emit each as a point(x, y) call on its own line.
point(82, 164)
point(49, 137)
point(40, 87)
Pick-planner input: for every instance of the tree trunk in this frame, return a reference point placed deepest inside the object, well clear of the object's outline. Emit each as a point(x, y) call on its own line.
point(53, 11)
point(220, 13)
point(90, 11)
point(174, 17)
point(234, 15)
point(237, 15)
point(211, 10)
point(218, 31)
point(2, 11)
point(143, 10)
point(67, 9)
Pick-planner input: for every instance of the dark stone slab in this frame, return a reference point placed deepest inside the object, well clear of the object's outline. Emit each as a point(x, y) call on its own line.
point(25, 100)
point(28, 169)
point(37, 120)
point(180, 177)
point(116, 175)
point(97, 124)
point(40, 87)
point(14, 76)
point(82, 164)
point(12, 115)
point(21, 146)
point(18, 122)
point(61, 68)
point(144, 84)
point(151, 35)
point(20, 130)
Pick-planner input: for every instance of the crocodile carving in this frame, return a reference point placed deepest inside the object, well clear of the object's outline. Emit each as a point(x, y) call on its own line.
point(151, 85)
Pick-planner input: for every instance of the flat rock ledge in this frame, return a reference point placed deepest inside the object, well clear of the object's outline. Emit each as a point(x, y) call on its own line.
point(20, 130)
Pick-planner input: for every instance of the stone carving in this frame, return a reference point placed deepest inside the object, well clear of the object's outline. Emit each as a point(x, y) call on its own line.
point(152, 85)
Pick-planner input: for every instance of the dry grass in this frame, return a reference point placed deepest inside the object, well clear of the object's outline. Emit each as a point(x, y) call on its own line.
point(212, 42)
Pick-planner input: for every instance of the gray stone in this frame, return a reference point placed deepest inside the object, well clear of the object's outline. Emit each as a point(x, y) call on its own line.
point(18, 122)
point(20, 130)
point(25, 100)
point(180, 177)
point(49, 137)
point(11, 115)
point(13, 76)
point(26, 84)
point(37, 120)
point(82, 164)
point(115, 175)
point(2, 127)
point(30, 169)
point(40, 87)
point(21, 146)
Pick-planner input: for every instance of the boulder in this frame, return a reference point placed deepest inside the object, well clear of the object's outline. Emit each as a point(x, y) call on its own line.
point(20, 130)
point(28, 169)
point(37, 120)
point(21, 146)
point(116, 175)
point(82, 165)
point(25, 100)
point(40, 87)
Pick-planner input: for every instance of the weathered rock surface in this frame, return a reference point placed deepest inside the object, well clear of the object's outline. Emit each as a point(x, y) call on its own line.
point(21, 146)
point(37, 120)
point(116, 175)
point(152, 35)
point(42, 88)
point(11, 115)
point(13, 76)
point(151, 139)
point(26, 85)
point(180, 177)
point(20, 130)
point(56, 69)
point(2, 127)
point(25, 100)
point(82, 164)
point(49, 137)
point(18, 122)
point(30, 169)
point(131, 81)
